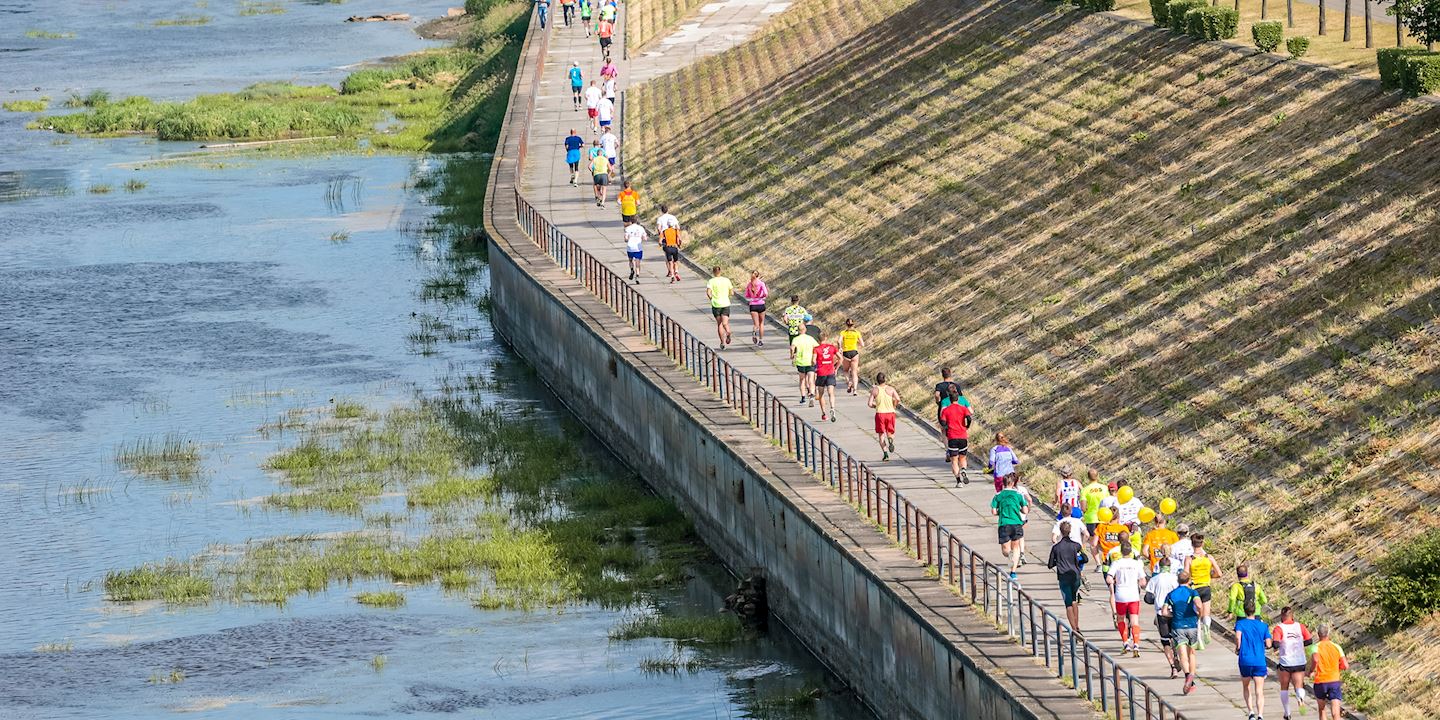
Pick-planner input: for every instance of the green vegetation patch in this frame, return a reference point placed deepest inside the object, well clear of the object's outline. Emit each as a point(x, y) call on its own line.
point(386, 599)
point(171, 581)
point(184, 21)
point(27, 105)
point(1406, 587)
point(170, 457)
point(711, 629)
point(48, 35)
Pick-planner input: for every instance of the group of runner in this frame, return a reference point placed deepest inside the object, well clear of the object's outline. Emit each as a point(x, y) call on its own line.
point(603, 24)
point(1172, 571)
point(1098, 522)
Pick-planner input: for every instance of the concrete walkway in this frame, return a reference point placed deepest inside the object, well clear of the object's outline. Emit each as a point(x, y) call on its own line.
point(917, 468)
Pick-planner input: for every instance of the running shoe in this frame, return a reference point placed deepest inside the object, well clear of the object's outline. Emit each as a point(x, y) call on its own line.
point(1173, 676)
point(1251, 716)
point(1135, 651)
point(832, 417)
point(812, 401)
point(1189, 687)
point(884, 455)
point(802, 399)
point(761, 343)
point(892, 444)
point(1014, 577)
point(823, 418)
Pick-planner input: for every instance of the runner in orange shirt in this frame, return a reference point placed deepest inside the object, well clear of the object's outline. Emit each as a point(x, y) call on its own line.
point(1326, 663)
point(1157, 542)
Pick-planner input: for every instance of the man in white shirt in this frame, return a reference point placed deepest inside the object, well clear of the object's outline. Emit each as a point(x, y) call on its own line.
point(611, 145)
point(605, 112)
point(1126, 578)
point(1078, 533)
point(610, 89)
point(592, 105)
point(635, 248)
point(1159, 587)
point(1182, 549)
point(667, 229)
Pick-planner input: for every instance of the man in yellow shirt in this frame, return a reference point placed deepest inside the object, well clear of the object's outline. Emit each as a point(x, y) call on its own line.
point(1157, 542)
point(802, 353)
point(1091, 497)
point(629, 203)
point(600, 172)
point(719, 289)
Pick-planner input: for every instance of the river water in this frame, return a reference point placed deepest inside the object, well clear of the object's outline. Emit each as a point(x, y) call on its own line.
point(213, 300)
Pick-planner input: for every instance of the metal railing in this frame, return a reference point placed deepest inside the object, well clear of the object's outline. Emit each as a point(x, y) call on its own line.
point(1047, 636)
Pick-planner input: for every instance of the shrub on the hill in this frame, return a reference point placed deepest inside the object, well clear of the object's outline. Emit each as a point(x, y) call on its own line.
point(1298, 46)
point(1422, 75)
point(1212, 23)
point(1406, 586)
point(1097, 5)
point(1157, 11)
point(1392, 62)
point(1267, 35)
point(1175, 12)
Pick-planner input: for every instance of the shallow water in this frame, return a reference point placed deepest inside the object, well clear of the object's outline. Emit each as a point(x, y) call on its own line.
point(205, 305)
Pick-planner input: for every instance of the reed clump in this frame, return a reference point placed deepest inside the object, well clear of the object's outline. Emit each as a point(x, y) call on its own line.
point(385, 599)
point(719, 628)
point(172, 581)
point(30, 106)
point(170, 457)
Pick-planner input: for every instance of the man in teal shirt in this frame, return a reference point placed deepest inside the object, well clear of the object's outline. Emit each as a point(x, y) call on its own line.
point(1010, 506)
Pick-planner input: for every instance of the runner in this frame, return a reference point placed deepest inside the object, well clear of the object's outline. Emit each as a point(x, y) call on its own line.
point(573, 145)
point(605, 113)
point(942, 391)
point(1182, 606)
point(1009, 506)
point(1326, 663)
point(600, 171)
point(607, 87)
point(885, 400)
point(1077, 530)
point(1159, 587)
point(610, 143)
point(1291, 639)
point(1126, 578)
point(667, 228)
point(1182, 549)
point(567, 9)
point(955, 421)
point(586, 10)
point(795, 317)
point(1092, 497)
point(1108, 537)
point(1067, 489)
point(1065, 557)
point(629, 204)
point(1128, 511)
point(634, 247)
point(1156, 545)
point(756, 291)
point(850, 344)
point(827, 357)
point(1203, 571)
point(607, 11)
point(1244, 591)
point(543, 7)
point(802, 354)
point(608, 71)
point(1252, 637)
point(1024, 490)
point(592, 105)
point(606, 29)
point(577, 80)
point(719, 289)
point(1003, 460)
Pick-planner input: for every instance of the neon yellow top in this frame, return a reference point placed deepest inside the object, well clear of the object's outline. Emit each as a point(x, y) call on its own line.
point(1200, 567)
point(849, 340)
point(720, 289)
point(804, 346)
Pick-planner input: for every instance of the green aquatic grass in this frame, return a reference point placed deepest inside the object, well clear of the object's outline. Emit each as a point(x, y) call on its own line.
point(385, 599)
point(95, 98)
point(250, 8)
point(451, 491)
point(172, 581)
point(49, 35)
point(349, 410)
point(134, 185)
point(100, 189)
point(30, 106)
point(183, 21)
point(340, 236)
point(712, 629)
point(55, 647)
point(378, 662)
point(169, 457)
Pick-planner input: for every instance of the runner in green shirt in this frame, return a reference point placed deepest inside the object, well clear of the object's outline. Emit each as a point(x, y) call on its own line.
point(1091, 496)
point(1009, 506)
point(719, 289)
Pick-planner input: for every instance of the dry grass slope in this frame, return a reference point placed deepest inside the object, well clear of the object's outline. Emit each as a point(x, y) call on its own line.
point(647, 20)
point(1214, 272)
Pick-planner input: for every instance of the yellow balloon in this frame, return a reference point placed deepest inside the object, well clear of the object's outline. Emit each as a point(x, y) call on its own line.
point(1125, 495)
point(1167, 506)
point(1147, 515)
point(1104, 514)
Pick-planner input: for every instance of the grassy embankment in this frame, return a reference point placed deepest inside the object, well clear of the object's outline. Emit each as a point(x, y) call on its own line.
point(1211, 271)
point(647, 20)
point(442, 100)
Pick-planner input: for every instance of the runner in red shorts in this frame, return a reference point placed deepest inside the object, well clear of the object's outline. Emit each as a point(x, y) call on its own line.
point(885, 401)
point(1126, 578)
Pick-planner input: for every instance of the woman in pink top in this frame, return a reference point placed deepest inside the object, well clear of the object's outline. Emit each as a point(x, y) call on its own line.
point(755, 295)
point(608, 70)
